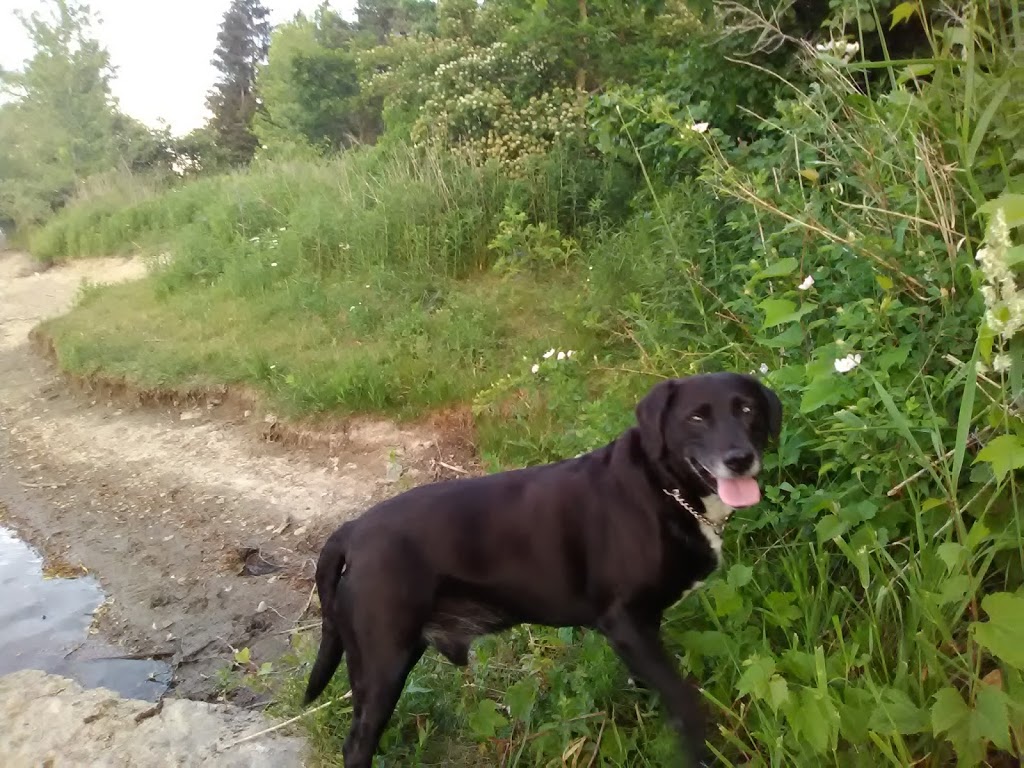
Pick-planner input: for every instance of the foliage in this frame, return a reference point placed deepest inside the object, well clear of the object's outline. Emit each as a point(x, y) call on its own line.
point(242, 45)
point(61, 124)
point(310, 88)
point(851, 233)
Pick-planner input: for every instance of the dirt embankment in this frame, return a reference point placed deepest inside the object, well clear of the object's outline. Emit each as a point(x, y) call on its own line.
point(200, 513)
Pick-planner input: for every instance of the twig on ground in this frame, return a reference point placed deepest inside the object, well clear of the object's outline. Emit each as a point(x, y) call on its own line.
point(452, 467)
point(279, 726)
point(597, 746)
point(309, 602)
point(300, 628)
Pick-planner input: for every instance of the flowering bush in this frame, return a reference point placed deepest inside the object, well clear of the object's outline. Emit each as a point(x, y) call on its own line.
point(483, 102)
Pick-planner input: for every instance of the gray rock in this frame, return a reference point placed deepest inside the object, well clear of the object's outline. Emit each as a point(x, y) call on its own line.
point(51, 720)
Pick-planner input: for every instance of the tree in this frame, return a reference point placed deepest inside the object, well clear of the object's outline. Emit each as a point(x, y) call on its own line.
point(242, 45)
point(61, 122)
point(310, 87)
point(384, 18)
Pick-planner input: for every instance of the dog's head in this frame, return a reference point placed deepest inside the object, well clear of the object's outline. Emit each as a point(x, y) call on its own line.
point(712, 429)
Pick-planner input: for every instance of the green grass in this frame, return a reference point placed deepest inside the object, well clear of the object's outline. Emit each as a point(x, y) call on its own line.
point(374, 342)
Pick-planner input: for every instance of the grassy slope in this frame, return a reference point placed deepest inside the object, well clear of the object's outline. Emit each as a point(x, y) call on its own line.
point(365, 346)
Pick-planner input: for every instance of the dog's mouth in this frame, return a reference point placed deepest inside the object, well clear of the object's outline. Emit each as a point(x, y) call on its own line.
point(741, 491)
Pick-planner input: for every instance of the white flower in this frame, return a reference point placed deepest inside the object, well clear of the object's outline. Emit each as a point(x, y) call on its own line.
point(1001, 363)
point(273, 263)
point(548, 354)
point(570, 353)
point(764, 368)
point(807, 283)
point(699, 127)
point(561, 355)
point(535, 368)
point(1004, 299)
point(283, 229)
point(847, 364)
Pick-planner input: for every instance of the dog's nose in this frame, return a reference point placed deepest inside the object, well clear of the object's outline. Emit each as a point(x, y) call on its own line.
point(738, 461)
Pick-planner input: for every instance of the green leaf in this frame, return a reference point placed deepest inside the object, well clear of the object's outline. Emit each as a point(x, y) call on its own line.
point(521, 698)
point(243, 655)
point(1015, 256)
point(756, 677)
point(780, 268)
point(983, 122)
point(955, 589)
point(486, 719)
point(707, 643)
point(902, 12)
point(778, 692)
point(781, 609)
point(1003, 633)
point(727, 600)
point(815, 719)
point(978, 533)
point(950, 553)
point(896, 713)
point(779, 311)
point(831, 527)
point(912, 71)
point(971, 730)
point(1004, 453)
point(740, 575)
point(789, 338)
point(1012, 205)
point(820, 391)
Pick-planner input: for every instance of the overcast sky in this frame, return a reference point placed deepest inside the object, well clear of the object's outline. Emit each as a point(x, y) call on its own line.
point(161, 48)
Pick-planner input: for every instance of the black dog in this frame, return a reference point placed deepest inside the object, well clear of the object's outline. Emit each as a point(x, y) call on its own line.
point(606, 541)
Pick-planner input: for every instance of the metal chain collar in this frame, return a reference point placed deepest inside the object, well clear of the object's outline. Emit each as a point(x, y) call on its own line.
point(699, 517)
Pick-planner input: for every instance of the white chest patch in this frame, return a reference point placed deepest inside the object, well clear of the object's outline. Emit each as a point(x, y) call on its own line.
point(717, 512)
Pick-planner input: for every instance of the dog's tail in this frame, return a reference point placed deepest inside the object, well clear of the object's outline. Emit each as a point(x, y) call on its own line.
point(329, 572)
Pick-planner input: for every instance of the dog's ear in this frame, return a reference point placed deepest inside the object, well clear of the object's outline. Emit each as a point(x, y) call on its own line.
point(774, 411)
point(650, 415)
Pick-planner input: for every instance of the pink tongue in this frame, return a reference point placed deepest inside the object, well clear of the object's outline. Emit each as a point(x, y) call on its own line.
point(739, 491)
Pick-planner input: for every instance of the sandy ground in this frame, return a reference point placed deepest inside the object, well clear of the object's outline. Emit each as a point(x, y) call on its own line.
point(96, 728)
point(164, 504)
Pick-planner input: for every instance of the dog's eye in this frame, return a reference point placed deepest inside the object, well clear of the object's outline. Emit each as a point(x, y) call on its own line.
point(745, 409)
point(696, 417)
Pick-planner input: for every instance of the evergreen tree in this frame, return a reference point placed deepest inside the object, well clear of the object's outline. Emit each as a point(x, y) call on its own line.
point(242, 46)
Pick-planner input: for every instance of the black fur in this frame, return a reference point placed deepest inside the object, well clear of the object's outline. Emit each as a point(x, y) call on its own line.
point(591, 542)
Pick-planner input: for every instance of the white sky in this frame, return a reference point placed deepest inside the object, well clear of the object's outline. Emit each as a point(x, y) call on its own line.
point(163, 65)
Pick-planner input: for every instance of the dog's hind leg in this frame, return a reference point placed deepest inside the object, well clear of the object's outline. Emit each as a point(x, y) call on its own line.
point(383, 639)
point(379, 683)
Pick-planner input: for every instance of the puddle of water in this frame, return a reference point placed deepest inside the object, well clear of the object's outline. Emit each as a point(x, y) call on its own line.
point(44, 624)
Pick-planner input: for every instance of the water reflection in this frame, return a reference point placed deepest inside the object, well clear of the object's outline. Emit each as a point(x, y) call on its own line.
point(44, 624)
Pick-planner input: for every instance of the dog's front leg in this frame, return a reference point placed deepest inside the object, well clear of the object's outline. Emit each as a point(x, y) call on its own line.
point(639, 645)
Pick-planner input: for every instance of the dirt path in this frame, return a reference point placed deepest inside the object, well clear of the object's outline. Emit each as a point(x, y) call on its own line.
point(161, 503)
